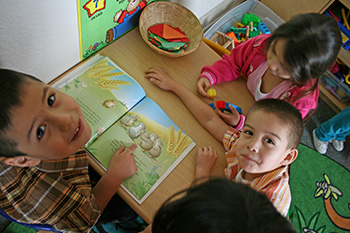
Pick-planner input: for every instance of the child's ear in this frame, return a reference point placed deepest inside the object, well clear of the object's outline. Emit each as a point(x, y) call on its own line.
point(22, 161)
point(291, 156)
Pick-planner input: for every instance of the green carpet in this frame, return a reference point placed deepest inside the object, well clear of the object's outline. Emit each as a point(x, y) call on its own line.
point(132, 226)
point(320, 193)
point(16, 228)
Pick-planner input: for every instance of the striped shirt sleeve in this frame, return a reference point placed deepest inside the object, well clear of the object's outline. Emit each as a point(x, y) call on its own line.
point(230, 139)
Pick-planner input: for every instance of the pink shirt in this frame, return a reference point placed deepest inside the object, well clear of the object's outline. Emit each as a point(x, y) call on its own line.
point(244, 60)
point(255, 79)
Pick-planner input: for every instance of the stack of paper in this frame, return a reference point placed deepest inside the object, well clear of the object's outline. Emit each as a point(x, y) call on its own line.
point(168, 38)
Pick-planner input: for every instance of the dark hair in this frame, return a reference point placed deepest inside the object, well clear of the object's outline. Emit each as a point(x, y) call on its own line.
point(11, 83)
point(313, 43)
point(287, 113)
point(219, 205)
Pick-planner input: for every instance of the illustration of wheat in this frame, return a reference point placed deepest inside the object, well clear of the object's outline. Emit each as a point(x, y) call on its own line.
point(111, 84)
point(101, 64)
point(99, 68)
point(180, 146)
point(179, 134)
point(171, 140)
point(107, 76)
point(95, 73)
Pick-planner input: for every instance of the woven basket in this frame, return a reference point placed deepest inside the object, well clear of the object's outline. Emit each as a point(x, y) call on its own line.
point(176, 16)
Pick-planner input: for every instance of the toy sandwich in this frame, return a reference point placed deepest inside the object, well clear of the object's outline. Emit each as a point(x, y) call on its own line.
point(168, 38)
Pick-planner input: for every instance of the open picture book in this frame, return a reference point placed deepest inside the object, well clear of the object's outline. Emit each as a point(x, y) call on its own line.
point(119, 113)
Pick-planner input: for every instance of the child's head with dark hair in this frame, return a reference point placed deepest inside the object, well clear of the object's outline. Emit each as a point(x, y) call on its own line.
point(269, 138)
point(11, 83)
point(37, 122)
point(287, 113)
point(310, 44)
point(219, 205)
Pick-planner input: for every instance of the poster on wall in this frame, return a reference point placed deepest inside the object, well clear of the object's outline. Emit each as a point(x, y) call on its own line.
point(103, 21)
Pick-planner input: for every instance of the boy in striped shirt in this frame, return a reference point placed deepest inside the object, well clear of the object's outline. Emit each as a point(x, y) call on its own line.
point(258, 155)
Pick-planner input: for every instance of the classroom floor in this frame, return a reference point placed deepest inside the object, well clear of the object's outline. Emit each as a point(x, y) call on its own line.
point(323, 113)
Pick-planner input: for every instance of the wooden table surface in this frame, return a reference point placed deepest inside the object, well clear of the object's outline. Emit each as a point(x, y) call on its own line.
point(134, 56)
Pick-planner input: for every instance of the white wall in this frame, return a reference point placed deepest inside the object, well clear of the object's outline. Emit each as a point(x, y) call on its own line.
point(41, 37)
point(198, 7)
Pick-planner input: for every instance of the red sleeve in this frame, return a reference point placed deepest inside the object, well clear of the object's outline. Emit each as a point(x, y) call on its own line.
point(142, 4)
point(122, 16)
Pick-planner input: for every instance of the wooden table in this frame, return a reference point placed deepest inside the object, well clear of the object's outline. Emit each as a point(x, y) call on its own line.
point(134, 56)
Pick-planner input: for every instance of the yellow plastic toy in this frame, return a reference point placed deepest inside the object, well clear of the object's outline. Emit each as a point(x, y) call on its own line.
point(347, 79)
point(211, 92)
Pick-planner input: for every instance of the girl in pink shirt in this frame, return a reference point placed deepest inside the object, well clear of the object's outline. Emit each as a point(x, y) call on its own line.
point(285, 65)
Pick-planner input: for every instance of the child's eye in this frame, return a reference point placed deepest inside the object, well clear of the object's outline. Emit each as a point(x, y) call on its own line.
point(248, 132)
point(40, 132)
point(270, 141)
point(51, 100)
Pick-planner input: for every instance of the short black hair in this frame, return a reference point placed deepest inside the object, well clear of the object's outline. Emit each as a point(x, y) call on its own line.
point(11, 83)
point(220, 205)
point(287, 113)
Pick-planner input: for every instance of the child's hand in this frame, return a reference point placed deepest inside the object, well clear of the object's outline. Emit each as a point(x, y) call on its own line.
point(230, 119)
point(205, 161)
point(160, 78)
point(203, 86)
point(122, 164)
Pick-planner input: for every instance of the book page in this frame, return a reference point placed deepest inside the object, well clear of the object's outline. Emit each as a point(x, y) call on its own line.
point(161, 146)
point(103, 91)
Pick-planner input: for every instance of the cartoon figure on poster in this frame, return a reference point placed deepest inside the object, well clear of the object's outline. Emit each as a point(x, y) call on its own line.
point(132, 8)
point(101, 23)
point(125, 19)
